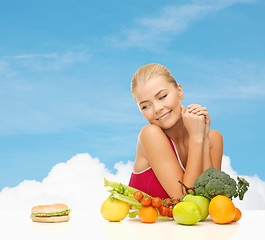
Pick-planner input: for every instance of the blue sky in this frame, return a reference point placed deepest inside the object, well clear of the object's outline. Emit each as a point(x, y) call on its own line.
point(66, 66)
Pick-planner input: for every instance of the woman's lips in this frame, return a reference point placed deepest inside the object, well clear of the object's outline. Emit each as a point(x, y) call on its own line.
point(164, 115)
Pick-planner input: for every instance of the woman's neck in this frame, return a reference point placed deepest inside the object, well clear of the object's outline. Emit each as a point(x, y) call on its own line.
point(178, 132)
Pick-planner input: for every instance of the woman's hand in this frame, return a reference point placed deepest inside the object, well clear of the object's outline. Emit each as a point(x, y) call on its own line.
point(201, 111)
point(194, 123)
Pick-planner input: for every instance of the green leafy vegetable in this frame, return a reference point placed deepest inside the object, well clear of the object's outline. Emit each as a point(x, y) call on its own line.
point(242, 187)
point(214, 182)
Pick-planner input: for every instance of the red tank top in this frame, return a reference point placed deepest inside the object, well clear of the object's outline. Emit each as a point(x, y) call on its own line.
point(147, 181)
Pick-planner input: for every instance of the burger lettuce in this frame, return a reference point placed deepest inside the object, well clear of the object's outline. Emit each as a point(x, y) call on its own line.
point(63, 213)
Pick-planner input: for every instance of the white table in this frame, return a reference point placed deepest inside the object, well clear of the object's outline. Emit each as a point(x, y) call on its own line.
point(84, 225)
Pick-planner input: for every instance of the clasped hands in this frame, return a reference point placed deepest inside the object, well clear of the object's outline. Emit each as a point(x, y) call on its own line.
point(197, 121)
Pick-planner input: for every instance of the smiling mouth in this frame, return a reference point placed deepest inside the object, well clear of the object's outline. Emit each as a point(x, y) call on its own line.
point(165, 115)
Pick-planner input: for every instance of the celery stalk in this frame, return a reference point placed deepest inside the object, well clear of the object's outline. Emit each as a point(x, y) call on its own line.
point(121, 188)
point(129, 200)
point(116, 185)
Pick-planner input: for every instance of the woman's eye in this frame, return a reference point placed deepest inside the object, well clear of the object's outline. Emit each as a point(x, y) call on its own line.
point(164, 96)
point(144, 107)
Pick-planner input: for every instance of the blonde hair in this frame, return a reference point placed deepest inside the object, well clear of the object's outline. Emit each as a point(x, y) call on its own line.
point(146, 72)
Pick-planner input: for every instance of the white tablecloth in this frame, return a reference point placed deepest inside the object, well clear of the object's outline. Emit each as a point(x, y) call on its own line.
point(83, 225)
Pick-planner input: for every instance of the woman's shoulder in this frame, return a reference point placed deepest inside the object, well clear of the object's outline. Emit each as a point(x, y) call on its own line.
point(215, 136)
point(150, 131)
point(152, 136)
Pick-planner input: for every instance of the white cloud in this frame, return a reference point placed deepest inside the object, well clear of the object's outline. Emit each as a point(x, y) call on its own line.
point(79, 182)
point(52, 61)
point(172, 20)
point(255, 197)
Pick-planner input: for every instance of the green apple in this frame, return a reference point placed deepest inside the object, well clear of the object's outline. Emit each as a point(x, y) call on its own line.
point(187, 213)
point(201, 201)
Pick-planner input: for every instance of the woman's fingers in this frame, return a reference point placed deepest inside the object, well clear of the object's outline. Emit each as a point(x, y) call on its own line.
point(193, 106)
point(202, 111)
point(197, 109)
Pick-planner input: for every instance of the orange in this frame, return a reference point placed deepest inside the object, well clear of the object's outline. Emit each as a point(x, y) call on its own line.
point(148, 214)
point(221, 209)
point(237, 216)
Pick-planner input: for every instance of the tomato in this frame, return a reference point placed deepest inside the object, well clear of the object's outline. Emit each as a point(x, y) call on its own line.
point(163, 211)
point(170, 202)
point(156, 202)
point(138, 195)
point(170, 213)
point(167, 202)
point(146, 201)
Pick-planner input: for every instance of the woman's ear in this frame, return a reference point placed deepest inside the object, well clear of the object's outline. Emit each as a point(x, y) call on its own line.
point(181, 94)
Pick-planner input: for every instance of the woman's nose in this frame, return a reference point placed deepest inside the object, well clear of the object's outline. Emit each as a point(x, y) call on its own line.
point(158, 107)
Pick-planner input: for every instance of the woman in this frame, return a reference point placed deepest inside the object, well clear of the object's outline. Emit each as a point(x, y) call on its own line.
point(178, 143)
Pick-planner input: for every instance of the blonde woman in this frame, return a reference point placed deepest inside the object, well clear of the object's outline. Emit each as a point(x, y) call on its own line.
point(178, 143)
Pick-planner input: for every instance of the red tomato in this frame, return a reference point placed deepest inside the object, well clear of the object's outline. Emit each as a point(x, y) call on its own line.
point(167, 202)
point(146, 201)
point(156, 202)
point(163, 211)
point(170, 202)
point(138, 195)
point(170, 213)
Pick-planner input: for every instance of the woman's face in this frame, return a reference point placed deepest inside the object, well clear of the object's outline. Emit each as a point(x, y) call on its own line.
point(159, 101)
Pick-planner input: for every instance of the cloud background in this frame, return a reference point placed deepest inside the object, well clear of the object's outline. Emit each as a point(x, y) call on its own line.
point(65, 71)
point(79, 182)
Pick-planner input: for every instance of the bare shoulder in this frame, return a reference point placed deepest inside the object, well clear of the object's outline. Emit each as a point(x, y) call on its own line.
point(151, 138)
point(215, 137)
point(151, 130)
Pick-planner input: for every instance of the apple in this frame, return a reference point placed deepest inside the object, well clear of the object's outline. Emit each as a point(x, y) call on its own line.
point(187, 213)
point(201, 201)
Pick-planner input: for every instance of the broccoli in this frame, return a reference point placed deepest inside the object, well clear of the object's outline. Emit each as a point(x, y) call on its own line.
point(214, 182)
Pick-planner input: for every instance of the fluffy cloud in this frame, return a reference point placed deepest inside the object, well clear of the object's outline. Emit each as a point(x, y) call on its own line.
point(79, 182)
point(170, 21)
point(255, 197)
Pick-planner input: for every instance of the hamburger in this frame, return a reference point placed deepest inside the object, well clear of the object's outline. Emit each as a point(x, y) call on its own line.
point(50, 213)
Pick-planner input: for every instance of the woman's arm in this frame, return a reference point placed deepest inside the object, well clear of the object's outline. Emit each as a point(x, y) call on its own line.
point(213, 140)
point(216, 148)
point(195, 126)
point(156, 149)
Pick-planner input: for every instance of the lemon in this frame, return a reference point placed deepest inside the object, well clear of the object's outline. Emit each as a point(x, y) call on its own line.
point(114, 210)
